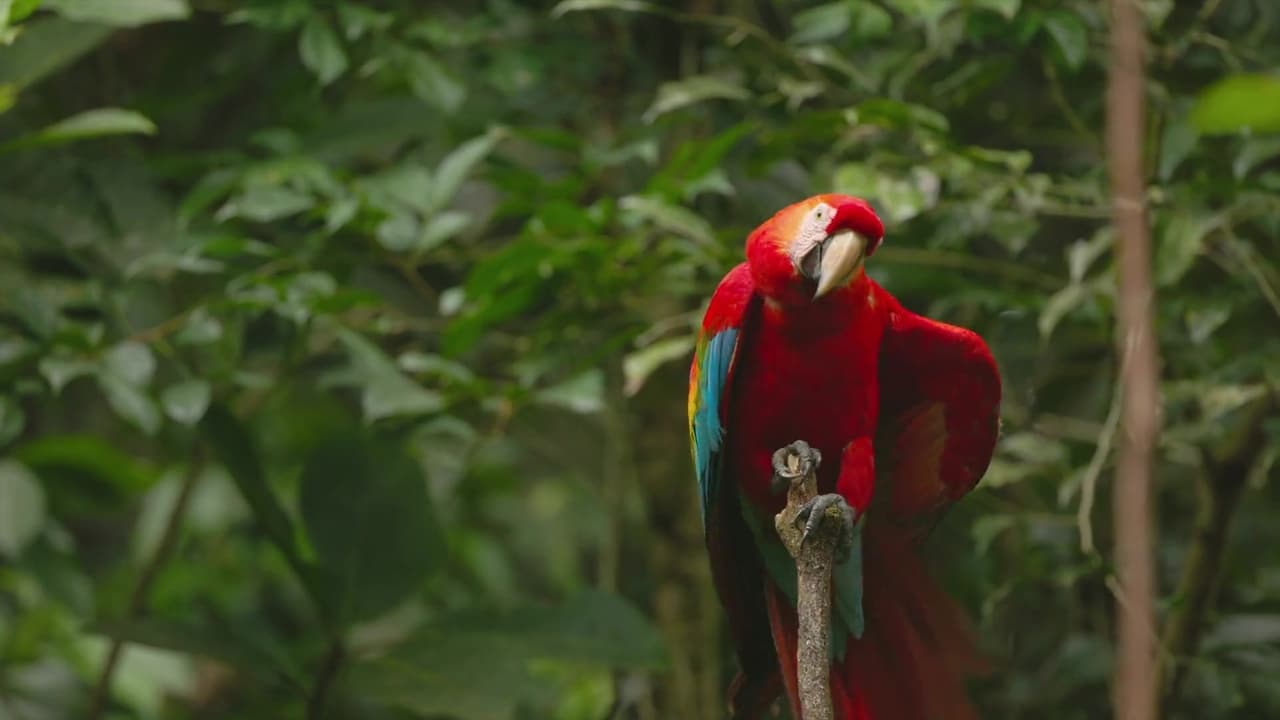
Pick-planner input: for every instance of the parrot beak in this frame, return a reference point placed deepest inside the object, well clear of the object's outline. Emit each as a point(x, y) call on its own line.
point(842, 256)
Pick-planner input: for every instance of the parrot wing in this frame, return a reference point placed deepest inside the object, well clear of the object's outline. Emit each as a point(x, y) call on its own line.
point(938, 423)
point(710, 377)
point(939, 413)
point(736, 570)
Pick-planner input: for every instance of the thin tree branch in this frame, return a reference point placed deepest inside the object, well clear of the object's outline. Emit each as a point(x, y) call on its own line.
point(1135, 680)
point(1219, 489)
point(138, 597)
point(329, 670)
point(815, 558)
point(1089, 482)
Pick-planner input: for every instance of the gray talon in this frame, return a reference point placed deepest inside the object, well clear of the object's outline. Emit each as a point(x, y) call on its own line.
point(793, 461)
point(812, 513)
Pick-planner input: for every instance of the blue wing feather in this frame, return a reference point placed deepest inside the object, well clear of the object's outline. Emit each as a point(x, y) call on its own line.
point(708, 433)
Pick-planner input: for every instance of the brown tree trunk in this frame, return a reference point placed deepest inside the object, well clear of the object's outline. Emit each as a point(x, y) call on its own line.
point(1135, 678)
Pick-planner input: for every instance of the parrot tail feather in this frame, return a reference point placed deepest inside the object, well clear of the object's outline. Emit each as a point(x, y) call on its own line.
point(919, 646)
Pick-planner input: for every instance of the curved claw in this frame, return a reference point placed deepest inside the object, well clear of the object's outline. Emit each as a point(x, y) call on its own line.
point(811, 517)
point(793, 461)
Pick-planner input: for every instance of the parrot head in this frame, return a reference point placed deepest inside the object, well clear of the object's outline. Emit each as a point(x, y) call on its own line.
point(810, 248)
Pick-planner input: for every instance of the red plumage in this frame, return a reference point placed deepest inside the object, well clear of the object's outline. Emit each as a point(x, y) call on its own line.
point(905, 413)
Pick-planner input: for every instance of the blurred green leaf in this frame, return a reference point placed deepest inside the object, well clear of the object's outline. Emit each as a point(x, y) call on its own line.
point(82, 462)
point(1239, 102)
point(1179, 246)
point(321, 50)
point(130, 361)
point(459, 163)
point(12, 420)
point(1178, 141)
point(120, 13)
point(824, 22)
point(568, 6)
point(433, 82)
point(639, 365)
point(266, 203)
point(186, 401)
point(691, 90)
point(669, 217)
point(20, 9)
point(8, 96)
point(1059, 305)
point(1006, 8)
point(423, 363)
point(58, 372)
point(223, 644)
point(1070, 35)
point(899, 198)
point(236, 449)
point(22, 507)
point(386, 391)
point(45, 46)
point(1244, 629)
point(102, 122)
point(477, 665)
point(131, 402)
point(441, 227)
point(364, 502)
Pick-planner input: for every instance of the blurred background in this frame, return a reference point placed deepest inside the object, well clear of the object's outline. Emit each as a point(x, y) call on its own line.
point(344, 343)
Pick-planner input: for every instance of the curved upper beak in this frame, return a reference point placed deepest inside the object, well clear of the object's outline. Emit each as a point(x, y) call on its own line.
point(842, 256)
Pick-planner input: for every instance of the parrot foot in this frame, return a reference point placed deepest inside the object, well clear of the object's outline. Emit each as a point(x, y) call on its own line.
point(811, 516)
point(793, 461)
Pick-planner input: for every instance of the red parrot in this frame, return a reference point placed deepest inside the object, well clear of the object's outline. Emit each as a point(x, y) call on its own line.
point(798, 343)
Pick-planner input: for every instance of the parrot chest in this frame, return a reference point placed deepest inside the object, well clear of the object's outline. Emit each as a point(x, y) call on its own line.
point(811, 379)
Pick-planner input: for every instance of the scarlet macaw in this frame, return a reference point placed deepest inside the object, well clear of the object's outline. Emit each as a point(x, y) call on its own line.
point(799, 344)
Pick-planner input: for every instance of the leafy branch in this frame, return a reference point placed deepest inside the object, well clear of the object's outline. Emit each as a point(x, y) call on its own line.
point(1218, 492)
point(142, 586)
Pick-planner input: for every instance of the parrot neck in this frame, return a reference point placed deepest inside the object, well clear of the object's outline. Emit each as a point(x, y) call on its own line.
point(850, 305)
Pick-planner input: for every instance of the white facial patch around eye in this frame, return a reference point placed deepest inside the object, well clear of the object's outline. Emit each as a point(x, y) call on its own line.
point(813, 230)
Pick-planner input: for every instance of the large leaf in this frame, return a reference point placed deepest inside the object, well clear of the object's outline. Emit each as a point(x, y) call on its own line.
point(477, 665)
point(237, 450)
point(1240, 102)
point(46, 45)
point(365, 506)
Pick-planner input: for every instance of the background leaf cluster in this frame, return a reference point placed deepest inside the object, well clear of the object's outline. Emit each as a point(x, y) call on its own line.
point(370, 320)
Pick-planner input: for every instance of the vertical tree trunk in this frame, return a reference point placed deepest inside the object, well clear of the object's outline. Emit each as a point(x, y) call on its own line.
point(1135, 686)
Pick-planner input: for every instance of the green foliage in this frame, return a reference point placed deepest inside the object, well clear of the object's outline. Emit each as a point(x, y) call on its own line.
point(385, 307)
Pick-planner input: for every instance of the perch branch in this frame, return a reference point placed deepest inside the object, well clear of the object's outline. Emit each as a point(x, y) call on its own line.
point(814, 554)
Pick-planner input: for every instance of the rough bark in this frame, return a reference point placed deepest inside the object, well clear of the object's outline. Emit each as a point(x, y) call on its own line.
point(815, 558)
point(1135, 679)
